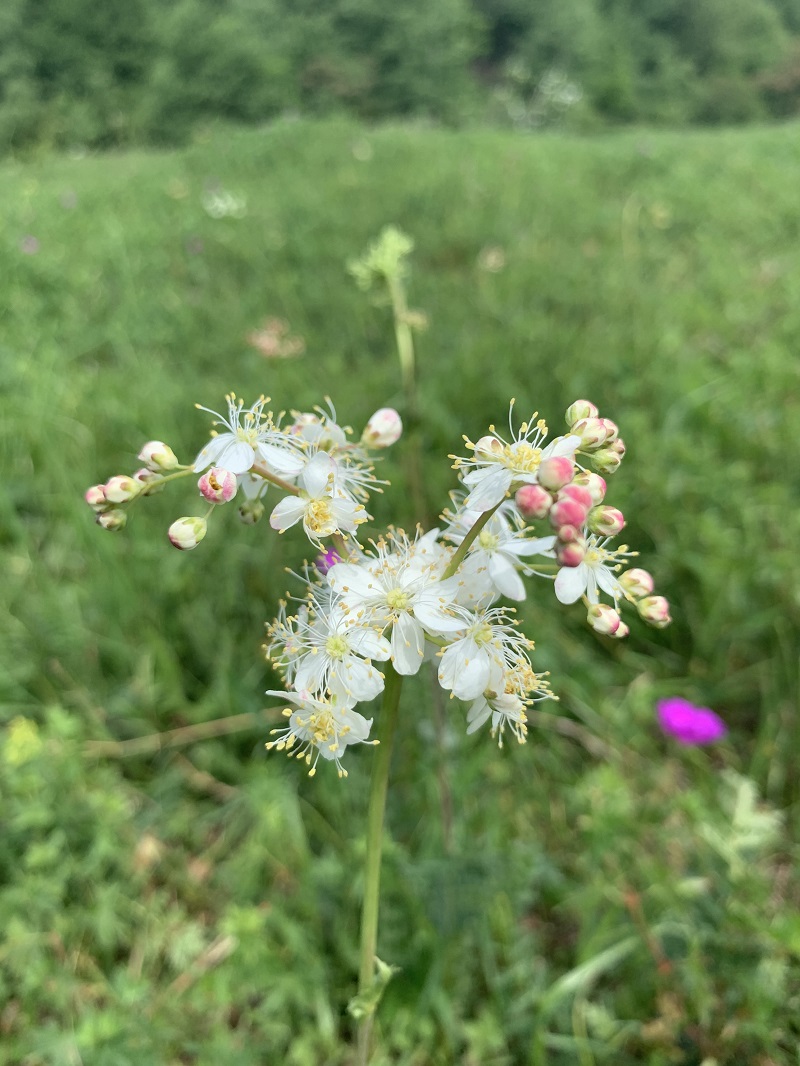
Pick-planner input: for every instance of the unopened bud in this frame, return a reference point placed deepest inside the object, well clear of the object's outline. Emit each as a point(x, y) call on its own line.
point(251, 511)
point(96, 496)
point(488, 447)
point(158, 456)
point(567, 512)
point(326, 560)
point(595, 485)
point(384, 428)
point(607, 521)
point(121, 488)
point(604, 619)
point(218, 485)
point(591, 431)
point(533, 501)
point(578, 493)
point(606, 461)
point(579, 410)
point(556, 472)
point(571, 554)
point(655, 611)
point(622, 632)
point(112, 520)
point(617, 446)
point(611, 428)
point(637, 583)
point(186, 533)
point(566, 534)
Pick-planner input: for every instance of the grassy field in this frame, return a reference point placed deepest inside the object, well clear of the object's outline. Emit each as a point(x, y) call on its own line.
point(603, 896)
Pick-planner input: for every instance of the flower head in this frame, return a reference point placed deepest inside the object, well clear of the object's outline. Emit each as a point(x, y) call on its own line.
point(240, 445)
point(688, 724)
point(319, 728)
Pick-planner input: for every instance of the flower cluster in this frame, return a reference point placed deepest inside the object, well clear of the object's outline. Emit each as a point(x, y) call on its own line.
point(397, 601)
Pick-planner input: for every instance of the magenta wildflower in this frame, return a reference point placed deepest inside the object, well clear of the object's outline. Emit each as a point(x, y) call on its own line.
point(327, 559)
point(688, 724)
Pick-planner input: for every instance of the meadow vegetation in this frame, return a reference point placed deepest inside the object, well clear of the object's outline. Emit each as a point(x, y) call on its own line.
point(597, 896)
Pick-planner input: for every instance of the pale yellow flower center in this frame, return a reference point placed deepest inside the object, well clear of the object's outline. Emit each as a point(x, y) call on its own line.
point(523, 457)
point(488, 541)
point(319, 515)
point(397, 599)
point(336, 646)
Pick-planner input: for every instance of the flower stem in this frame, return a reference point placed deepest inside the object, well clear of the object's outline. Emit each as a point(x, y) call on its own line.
point(466, 543)
point(372, 867)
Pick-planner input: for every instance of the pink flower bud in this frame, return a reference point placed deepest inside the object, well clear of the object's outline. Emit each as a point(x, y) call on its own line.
point(611, 428)
point(637, 582)
point(158, 456)
point(327, 560)
point(622, 631)
point(595, 485)
point(655, 611)
point(533, 501)
point(566, 534)
point(604, 619)
point(96, 496)
point(607, 521)
point(384, 428)
point(617, 446)
point(579, 410)
point(556, 472)
point(218, 485)
point(121, 488)
point(251, 511)
point(186, 533)
point(112, 520)
point(571, 554)
point(578, 493)
point(606, 461)
point(567, 512)
point(488, 447)
point(591, 431)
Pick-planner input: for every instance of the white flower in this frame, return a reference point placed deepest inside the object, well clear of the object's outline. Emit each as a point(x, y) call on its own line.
point(319, 727)
point(238, 448)
point(479, 660)
point(593, 573)
point(328, 654)
point(497, 465)
point(400, 588)
point(504, 709)
point(493, 562)
point(323, 508)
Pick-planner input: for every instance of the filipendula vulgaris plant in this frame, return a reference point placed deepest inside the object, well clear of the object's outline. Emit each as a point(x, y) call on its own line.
point(529, 506)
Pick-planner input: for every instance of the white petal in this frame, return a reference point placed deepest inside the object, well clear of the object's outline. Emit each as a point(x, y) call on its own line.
point(607, 582)
point(319, 475)
point(408, 644)
point(363, 681)
point(238, 457)
point(434, 616)
point(562, 446)
point(490, 490)
point(281, 461)
point(311, 672)
point(212, 451)
point(474, 677)
point(571, 583)
point(368, 643)
point(354, 580)
point(534, 546)
point(478, 714)
point(505, 577)
point(287, 512)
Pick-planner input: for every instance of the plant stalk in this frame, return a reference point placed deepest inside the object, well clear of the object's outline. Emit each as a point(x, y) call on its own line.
point(372, 866)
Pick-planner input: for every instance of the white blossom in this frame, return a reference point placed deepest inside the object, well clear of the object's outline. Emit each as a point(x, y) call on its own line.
point(319, 728)
point(323, 507)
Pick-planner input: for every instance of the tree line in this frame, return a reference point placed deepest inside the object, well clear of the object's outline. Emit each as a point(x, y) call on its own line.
point(78, 72)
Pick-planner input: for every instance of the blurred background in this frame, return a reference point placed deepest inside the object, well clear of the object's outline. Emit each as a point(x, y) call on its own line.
point(182, 185)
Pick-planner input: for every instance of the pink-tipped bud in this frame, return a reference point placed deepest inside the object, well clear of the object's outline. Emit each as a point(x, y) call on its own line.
point(158, 456)
point(595, 485)
point(592, 433)
point(637, 583)
point(607, 521)
point(604, 619)
point(579, 410)
point(218, 485)
point(606, 461)
point(611, 428)
point(567, 512)
point(617, 446)
point(384, 428)
point(655, 611)
point(488, 447)
point(121, 488)
point(251, 511)
point(623, 631)
point(96, 497)
point(326, 560)
point(186, 533)
point(556, 472)
point(578, 493)
point(533, 501)
point(112, 520)
point(571, 554)
point(567, 534)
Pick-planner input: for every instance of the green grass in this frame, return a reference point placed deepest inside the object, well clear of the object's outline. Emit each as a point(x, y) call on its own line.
point(656, 274)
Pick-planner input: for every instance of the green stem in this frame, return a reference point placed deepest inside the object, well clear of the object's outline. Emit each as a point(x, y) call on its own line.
point(466, 543)
point(372, 867)
point(262, 471)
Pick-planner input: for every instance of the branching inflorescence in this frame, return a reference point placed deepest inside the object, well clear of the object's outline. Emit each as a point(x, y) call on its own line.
point(407, 599)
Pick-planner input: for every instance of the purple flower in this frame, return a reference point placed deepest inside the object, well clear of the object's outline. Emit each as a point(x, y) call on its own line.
point(326, 560)
point(689, 724)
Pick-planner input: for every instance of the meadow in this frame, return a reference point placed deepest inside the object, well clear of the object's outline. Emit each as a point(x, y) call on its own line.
point(599, 895)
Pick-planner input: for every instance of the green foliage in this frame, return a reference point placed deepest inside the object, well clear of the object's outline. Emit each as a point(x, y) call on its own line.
point(606, 896)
